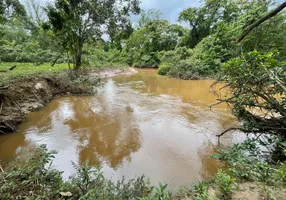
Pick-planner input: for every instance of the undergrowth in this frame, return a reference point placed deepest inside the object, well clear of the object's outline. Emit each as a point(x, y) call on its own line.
point(245, 162)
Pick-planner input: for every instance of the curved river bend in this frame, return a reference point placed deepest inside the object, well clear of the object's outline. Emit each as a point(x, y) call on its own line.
point(138, 124)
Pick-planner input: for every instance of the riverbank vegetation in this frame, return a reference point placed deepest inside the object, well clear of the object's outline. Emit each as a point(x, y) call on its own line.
point(250, 174)
point(237, 42)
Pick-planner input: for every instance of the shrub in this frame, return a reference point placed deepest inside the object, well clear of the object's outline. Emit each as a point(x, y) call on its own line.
point(200, 190)
point(164, 68)
point(37, 180)
point(184, 70)
point(225, 184)
point(248, 162)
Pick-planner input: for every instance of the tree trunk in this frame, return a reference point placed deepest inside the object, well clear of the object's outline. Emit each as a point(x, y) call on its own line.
point(68, 57)
point(55, 61)
point(78, 57)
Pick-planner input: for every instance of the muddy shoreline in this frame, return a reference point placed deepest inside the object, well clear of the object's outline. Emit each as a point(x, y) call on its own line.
point(22, 96)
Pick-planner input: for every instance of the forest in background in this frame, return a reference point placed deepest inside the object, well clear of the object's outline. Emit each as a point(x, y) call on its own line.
point(196, 47)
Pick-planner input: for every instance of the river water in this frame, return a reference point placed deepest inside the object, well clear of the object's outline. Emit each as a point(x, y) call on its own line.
point(134, 125)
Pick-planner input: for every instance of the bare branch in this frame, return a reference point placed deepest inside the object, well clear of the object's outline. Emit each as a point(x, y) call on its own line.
point(228, 130)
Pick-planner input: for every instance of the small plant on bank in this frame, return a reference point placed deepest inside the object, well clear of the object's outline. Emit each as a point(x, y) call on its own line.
point(159, 193)
point(200, 190)
point(225, 184)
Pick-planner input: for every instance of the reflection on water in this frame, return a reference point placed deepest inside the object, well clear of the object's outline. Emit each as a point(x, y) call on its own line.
point(139, 124)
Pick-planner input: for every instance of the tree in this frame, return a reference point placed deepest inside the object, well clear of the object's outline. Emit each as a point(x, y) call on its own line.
point(201, 20)
point(10, 9)
point(144, 44)
point(257, 93)
point(35, 11)
point(150, 15)
point(261, 20)
point(77, 21)
point(118, 33)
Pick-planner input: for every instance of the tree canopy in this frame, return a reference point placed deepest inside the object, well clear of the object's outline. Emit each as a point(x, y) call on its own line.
point(76, 21)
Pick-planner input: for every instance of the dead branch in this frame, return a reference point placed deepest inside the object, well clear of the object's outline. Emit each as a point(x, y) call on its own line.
point(228, 130)
point(3, 173)
point(5, 126)
point(260, 21)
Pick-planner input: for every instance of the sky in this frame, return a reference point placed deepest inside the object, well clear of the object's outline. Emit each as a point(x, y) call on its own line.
point(170, 8)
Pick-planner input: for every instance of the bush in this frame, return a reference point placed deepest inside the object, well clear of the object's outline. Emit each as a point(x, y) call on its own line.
point(255, 81)
point(202, 61)
point(225, 184)
point(184, 70)
point(96, 56)
point(200, 190)
point(169, 59)
point(164, 68)
point(249, 162)
point(37, 181)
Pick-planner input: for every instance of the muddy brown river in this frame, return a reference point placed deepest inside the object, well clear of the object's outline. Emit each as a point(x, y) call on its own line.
point(134, 125)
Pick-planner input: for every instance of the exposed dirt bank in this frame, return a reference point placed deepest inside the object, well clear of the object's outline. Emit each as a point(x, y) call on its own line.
point(26, 95)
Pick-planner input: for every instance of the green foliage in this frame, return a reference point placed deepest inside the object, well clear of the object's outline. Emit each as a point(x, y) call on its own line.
point(146, 17)
point(10, 9)
point(37, 180)
point(200, 190)
point(225, 184)
point(170, 59)
point(24, 70)
point(97, 57)
point(213, 28)
point(77, 21)
point(144, 44)
point(17, 45)
point(248, 162)
point(160, 193)
point(257, 82)
point(164, 68)
point(204, 61)
point(185, 70)
point(32, 181)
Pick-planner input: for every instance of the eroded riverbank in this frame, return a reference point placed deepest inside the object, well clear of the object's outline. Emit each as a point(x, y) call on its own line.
point(24, 95)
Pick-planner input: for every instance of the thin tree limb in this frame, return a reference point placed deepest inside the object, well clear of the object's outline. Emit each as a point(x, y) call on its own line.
point(230, 129)
point(260, 21)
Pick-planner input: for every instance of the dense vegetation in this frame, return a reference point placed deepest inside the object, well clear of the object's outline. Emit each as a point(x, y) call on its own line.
point(210, 44)
point(37, 180)
point(74, 31)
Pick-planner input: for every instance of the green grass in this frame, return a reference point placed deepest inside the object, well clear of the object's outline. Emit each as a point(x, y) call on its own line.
point(24, 70)
point(27, 69)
